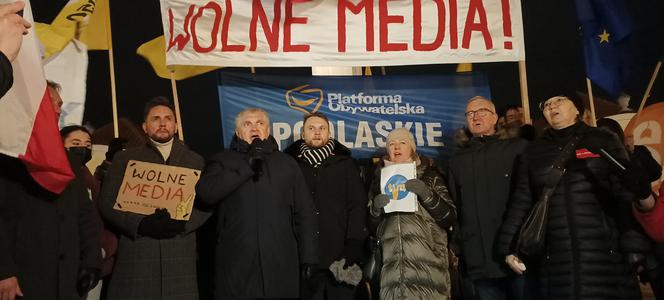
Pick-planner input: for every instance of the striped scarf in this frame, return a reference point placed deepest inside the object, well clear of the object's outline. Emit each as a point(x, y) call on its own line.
point(316, 156)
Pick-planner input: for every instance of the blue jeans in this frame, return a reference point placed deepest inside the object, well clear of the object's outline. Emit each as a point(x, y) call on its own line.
point(522, 287)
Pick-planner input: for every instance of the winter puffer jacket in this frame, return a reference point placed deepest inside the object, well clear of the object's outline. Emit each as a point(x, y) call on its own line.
point(415, 264)
point(589, 225)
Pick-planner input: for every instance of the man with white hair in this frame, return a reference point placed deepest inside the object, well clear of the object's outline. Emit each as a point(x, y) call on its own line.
point(480, 176)
point(267, 226)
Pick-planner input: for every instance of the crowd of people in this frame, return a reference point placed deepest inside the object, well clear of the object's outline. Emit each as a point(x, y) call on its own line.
point(297, 224)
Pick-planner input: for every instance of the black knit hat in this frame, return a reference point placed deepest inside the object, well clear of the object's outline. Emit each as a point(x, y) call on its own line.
point(578, 102)
point(572, 96)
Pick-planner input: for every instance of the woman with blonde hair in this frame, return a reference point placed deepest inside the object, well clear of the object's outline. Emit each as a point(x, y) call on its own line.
point(414, 244)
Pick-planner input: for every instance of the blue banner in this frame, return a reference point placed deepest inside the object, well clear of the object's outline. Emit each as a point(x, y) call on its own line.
point(362, 110)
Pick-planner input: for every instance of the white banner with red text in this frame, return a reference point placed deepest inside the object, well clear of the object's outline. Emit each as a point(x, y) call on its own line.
point(289, 33)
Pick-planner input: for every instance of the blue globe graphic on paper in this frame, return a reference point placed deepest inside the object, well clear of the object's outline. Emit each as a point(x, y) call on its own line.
point(395, 188)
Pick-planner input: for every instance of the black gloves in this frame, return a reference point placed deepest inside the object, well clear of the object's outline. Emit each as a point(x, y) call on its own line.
point(87, 280)
point(352, 252)
point(160, 225)
point(307, 271)
point(257, 156)
point(308, 276)
point(637, 261)
point(635, 180)
point(114, 146)
point(378, 203)
point(420, 188)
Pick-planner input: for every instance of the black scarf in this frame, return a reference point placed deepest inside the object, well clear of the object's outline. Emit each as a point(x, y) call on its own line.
point(316, 156)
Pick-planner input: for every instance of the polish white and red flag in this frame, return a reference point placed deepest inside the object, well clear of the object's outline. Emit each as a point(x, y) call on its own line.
point(28, 122)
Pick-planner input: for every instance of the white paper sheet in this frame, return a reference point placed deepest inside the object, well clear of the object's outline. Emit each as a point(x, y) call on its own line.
point(393, 184)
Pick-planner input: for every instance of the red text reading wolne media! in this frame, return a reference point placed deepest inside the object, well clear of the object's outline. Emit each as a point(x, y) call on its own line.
point(475, 21)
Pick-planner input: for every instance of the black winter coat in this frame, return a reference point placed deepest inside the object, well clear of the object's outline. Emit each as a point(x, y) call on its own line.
point(480, 180)
point(589, 221)
point(341, 201)
point(266, 227)
point(45, 238)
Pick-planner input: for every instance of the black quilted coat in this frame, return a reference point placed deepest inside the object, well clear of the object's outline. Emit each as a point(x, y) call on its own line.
point(590, 227)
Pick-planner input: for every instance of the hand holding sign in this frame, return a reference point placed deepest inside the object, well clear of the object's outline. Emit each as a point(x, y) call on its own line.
point(159, 225)
point(419, 187)
point(149, 186)
point(378, 203)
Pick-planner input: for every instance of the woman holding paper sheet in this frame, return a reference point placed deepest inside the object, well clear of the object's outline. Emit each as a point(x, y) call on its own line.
point(415, 262)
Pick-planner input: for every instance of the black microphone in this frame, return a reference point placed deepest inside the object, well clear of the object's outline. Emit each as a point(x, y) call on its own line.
point(607, 156)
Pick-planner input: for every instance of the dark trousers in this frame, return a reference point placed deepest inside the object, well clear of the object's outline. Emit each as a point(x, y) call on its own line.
point(506, 288)
point(323, 286)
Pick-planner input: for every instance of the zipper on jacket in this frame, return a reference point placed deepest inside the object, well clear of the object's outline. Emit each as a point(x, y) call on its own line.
point(401, 254)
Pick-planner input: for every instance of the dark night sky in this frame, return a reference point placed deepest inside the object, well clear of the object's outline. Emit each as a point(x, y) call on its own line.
point(553, 56)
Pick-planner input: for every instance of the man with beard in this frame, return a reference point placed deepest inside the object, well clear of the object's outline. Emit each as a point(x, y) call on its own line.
point(49, 243)
point(267, 227)
point(156, 257)
point(340, 198)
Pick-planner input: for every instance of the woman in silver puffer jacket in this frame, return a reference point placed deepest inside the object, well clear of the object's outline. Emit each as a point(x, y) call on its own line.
point(415, 256)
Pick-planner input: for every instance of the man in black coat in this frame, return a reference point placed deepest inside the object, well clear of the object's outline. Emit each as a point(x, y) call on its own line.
point(49, 244)
point(480, 177)
point(267, 225)
point(336, 187)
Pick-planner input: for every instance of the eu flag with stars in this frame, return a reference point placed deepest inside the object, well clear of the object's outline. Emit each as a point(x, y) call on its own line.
point(605, 27)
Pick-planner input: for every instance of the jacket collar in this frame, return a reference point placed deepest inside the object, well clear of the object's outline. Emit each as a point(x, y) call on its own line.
point(565, 133)
point(479, 140)
point(239, 145)
point(176, 150)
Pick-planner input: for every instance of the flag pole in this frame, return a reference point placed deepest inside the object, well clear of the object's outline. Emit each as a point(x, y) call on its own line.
point(111, 67)
point(523, 85)
point(176, 102)
point(649, 88)
point(591, 99)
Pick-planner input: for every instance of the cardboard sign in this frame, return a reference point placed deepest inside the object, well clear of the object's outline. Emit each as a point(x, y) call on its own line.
point(393, 183)
point(148, 186)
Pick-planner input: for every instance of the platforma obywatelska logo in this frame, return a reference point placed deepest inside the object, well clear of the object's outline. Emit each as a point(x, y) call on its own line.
point(306, 100)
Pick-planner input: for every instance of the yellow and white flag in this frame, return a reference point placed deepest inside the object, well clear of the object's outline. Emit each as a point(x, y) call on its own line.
point(155, 53)
point(84, 20)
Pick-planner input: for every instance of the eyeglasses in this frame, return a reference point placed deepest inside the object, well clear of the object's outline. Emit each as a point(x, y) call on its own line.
point(481, 113)
point(549, 104)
